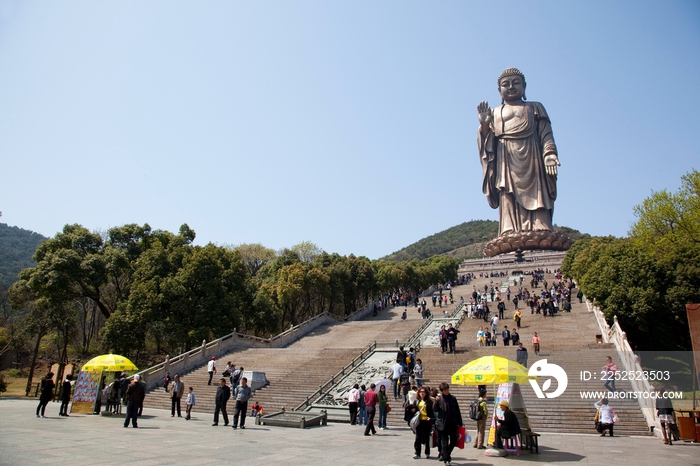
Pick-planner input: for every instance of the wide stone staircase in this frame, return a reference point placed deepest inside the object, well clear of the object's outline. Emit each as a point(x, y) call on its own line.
point(296, 371)
point(568, 339)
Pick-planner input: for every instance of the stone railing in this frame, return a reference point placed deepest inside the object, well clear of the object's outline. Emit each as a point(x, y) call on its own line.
point(630, 363)
point(200, 355)
point(322, 389)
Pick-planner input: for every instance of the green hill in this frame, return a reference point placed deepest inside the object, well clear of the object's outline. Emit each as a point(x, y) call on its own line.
point(464, 241)
point(17, 247)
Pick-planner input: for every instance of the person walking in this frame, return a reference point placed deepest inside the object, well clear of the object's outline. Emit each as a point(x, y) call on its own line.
point(242, 395)
point(166, 381)
point(481, 422)
point(211, 368)
point(418, 372)
point(189, 403)
point(223, 393)
point(536, 344)
point(353, 403)
point(382, 403)
point(135, 395)
point(449, 418)
point(371, 400)
point(396, 371)
point(426, 418)
point(47, 387)
point(610, 368)
point(177, 390)
point(664, 410)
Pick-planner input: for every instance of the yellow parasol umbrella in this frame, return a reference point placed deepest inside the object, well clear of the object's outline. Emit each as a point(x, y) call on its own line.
point(491, 370)
point(109, 363)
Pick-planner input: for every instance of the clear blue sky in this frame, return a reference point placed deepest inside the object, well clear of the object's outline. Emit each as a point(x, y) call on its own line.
point(349, 124)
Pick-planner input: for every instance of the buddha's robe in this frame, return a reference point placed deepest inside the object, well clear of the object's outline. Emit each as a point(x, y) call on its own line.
point(515, 179)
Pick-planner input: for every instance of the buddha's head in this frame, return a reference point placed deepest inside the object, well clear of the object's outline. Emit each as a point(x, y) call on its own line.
point(511, 85)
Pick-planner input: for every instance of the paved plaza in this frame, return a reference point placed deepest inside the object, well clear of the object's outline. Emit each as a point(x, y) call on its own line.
point(162, 440)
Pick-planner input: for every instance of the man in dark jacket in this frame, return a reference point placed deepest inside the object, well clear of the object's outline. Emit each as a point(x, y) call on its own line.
point(223, 393)
point(449, 418)
point(135, 394)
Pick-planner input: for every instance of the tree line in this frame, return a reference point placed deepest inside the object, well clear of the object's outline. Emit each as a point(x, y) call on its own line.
point(134, 289)
point(647, 278)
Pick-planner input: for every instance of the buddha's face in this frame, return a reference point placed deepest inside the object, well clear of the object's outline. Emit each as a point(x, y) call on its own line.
point(512, 88)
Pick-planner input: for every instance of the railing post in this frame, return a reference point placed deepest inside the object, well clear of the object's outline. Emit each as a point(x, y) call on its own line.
point(166, 365)
point(204, 349)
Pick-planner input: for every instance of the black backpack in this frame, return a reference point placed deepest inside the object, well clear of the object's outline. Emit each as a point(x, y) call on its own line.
point(475, 411)
point(405, 378)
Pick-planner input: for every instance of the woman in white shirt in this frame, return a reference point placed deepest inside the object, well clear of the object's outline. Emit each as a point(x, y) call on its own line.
point(606, 417)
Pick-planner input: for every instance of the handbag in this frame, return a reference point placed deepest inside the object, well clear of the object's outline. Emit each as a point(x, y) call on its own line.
point(388, 408)
point(415, 420)
point(461, 433)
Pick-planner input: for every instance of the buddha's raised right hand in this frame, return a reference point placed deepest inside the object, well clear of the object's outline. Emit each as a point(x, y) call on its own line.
point(484, 113)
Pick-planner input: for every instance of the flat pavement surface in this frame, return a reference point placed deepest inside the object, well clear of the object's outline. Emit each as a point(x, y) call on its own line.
point(162, 440)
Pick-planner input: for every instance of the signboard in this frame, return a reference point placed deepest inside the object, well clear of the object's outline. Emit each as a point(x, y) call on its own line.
point(85, 394)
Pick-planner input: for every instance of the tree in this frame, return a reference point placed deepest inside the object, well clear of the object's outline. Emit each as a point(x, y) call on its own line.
point(69, 266)
point(669, 220)
point(254, 256)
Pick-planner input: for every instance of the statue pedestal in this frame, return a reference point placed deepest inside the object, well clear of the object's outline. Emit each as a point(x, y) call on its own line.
point(527, 240)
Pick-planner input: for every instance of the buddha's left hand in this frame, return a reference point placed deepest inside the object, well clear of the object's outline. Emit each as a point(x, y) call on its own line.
point(551, 162)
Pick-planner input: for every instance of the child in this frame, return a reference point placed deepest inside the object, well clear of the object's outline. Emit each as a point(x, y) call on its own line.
point(166, 381)
point(189, 403)
point(256, 409)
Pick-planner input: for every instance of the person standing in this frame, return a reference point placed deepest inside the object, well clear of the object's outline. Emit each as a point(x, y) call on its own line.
point(505, 334)
point(47, 387)
point(452, 337)
point(361, 407)
point(189, 403)
point(236, 377)
point(381, 396)
point(135, 395)
point(371, 400)
point(223, 393)
point(536, 344)
point(426, 418)
point(177, 390)
point(353, 403)
point(515, 337)
point(443, 339)
point(481, 422)
point(211, 368)
point(65, 395)
point(242, 395)
point(449, 418)
point(521, 355)
point(501, 309)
